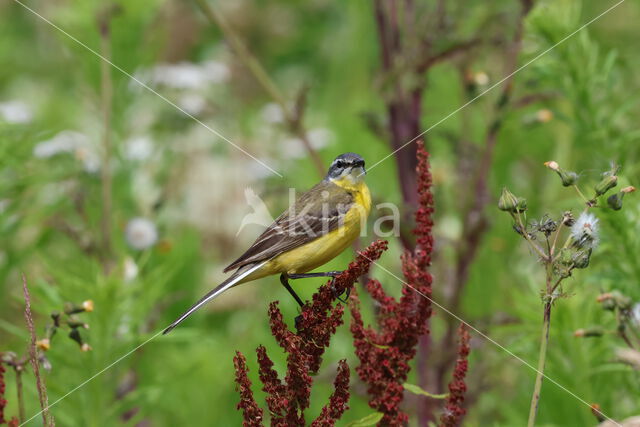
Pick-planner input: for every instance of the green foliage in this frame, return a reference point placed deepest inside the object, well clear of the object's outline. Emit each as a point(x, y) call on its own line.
point(190, 184)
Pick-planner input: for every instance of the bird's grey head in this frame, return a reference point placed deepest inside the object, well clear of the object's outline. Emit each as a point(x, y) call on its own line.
point(347, 165)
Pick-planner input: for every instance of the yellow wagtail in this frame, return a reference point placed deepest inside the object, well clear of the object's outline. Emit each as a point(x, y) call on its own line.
point(315, 229)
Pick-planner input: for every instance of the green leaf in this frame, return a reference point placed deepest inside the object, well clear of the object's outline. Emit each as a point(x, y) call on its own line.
point(419, 391)
point(369, 420)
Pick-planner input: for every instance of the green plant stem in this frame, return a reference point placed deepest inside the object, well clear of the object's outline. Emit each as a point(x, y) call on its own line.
point(293, 120)
point(581, 195)
point(537, 248)
point(542, 357)
point(106, 89)
point(555, 241)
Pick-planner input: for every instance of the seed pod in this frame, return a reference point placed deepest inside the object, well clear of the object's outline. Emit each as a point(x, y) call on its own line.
point(568, 178)
point(581, 259)
point(507, 202)
point(606, 184)
point(615, 201)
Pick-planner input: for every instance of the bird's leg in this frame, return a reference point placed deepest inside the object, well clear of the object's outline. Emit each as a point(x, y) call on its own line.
point(331, 274)
point(319, 274)
point(284, 279)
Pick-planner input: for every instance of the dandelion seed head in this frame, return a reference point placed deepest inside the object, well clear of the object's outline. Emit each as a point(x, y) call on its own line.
point(585, 231)
point(141, 233)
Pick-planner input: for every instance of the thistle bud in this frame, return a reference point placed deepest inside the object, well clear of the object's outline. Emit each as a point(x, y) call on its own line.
point(545, 115)
point(622, 301)
point(609, 304)
point(74, 309)
point(595, 331)
point(50, 331)
point(568, 178)
point(43, 344)
point(75, 323)
point(604, 297)
point(75, 335)
point(606, 184)
point(568, 219)
point(553, 165)
point(565, 257)
point(629, 189)
point(55, 315)
point(581, 259)
point(615, 201)
point(508, 202)
point(522, 205)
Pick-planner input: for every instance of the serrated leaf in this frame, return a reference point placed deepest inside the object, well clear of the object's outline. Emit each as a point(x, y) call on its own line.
point(419, 391)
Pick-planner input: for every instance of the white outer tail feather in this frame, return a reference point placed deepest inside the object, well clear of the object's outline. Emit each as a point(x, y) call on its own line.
point(212, 294)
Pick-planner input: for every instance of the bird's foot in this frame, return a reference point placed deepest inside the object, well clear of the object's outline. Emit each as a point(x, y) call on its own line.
point(337, 294)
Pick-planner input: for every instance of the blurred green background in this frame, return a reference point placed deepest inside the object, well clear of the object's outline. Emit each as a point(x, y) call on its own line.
point(190, 185)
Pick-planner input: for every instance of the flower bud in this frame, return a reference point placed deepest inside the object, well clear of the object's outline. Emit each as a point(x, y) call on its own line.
point(568, 219)
point(74, 323)
point(85, 347)
point(622, 301)
point(507, 202)
point(606, 184)
point(615, 201)
point(604, 297)
point(581, 259)
point(609, 305)
point(43, 344)
point(553, 165)
point(75, 335)
point(50, 331)
point(88, 305)
point(565, 257)
point(568, 178)
point(595, 331)
point(545, 115)
point(74, 309)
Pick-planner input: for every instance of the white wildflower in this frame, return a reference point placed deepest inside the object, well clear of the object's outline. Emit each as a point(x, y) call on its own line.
point(69, 141)
point(192, 103)
point(481, 78)
point(138, 148)
point(131, 269)
point(141, 233)
point(320, 137)
point(585, 231)
point(216, 71)
point(272, 113)
point(66, 141)
point(15, 112)
point(635, 314)
point(185, 75)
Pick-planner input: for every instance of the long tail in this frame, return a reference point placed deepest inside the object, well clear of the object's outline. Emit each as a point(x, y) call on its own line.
point(233, 280)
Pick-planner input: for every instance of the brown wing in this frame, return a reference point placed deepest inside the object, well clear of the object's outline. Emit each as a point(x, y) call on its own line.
point(317, 212)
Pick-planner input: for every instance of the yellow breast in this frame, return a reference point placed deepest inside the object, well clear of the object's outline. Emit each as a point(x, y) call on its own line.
point(323, 249)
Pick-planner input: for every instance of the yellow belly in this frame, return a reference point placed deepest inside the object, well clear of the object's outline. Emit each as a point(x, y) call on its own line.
point(323, 249)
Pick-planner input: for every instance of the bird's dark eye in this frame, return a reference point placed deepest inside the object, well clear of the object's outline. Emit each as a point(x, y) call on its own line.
point(340, 164)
